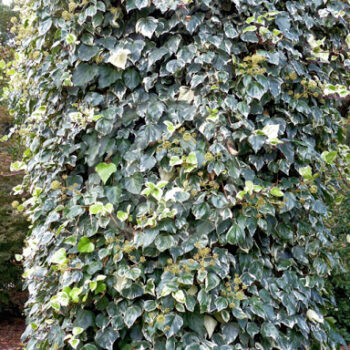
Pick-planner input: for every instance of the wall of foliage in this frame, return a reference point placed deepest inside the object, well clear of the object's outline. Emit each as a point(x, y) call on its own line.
point(174, 161)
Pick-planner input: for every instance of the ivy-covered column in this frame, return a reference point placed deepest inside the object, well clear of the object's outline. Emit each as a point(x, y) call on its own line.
point(174, 164)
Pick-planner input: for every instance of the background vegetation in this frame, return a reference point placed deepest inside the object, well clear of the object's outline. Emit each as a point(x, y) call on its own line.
point(13, 226)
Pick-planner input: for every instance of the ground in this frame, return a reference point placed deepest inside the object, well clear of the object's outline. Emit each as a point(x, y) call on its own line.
point(10, 334)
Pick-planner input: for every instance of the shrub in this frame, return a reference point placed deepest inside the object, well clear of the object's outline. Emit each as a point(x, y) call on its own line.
point(174, 163)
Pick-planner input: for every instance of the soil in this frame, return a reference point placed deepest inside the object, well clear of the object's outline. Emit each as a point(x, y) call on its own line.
point(10, 333)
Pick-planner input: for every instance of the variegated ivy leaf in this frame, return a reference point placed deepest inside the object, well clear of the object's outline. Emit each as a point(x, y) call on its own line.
point(186, 95)
point(119, 58)
point(275, 191)
point(210, 324)
point(306, 173)
point(59, 257)
point(147, 26)
point(313, 316)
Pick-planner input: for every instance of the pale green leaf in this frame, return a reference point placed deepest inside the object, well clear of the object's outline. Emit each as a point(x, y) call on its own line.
point(105, 171)
point(85, 245)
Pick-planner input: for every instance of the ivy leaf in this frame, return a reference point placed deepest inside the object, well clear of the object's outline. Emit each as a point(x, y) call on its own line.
point(150, 287)
point(107, 76)
point(85, 246)
point(96, 208)
point(90, 347)
point(235, 234)
point(243, 108)
point(175, 160)
point(74, 343)
point(192, 158)
point(84, 319)
point(105, 170)
point(230, 332)
point(210, 324)
point(77, 330)
point(85, 53)
point(59, 257)
point(271, 131)
point(146, 26)
point(132, 78)
point(329, 157)
point(72, 240)
point(119, 58)
point(221, 303)
point(257, 142)
point(84, 74)
point(173, 323)
point(164, 242)
point(306, 173)
point(74, 294)
point(134, 183)
point(255, 90)
point(252, 329)
point(347, 40)
point(212, 281)
point(269, 330)
point(275, 191)
point(108, 208)
point(45, 26)
point(122, 215)
point(156, 55)
point(133, 292)
point(230, 31)
point(136, 4)
point(201, 210)
point(133, 274)
point(105, 338)
point(249, 29)
point(71, 39)
point(179, 296)
point(91, 11)
point(132, 314)
point(313, 316)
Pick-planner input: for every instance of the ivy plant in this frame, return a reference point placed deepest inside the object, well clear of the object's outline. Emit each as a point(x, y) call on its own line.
point(174, 156)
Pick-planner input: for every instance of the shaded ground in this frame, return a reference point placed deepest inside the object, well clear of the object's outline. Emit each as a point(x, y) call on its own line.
point(10, 334)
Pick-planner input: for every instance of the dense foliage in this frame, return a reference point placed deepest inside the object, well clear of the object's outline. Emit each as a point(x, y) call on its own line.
point(174, 163)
